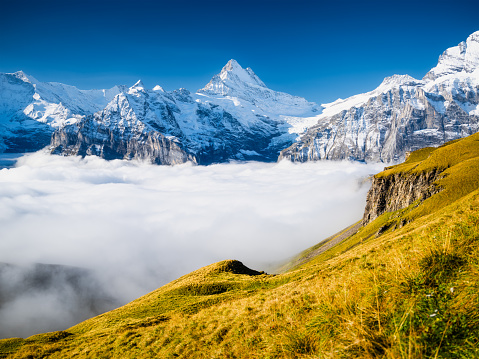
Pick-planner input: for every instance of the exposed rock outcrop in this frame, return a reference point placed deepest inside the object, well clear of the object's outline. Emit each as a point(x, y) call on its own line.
point(398, 191)
point(90, 138)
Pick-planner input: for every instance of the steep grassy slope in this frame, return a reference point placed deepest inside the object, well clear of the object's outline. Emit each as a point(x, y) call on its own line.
point(403, 286)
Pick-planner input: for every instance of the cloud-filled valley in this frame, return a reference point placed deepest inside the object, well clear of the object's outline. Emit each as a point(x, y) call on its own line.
point(138, 226)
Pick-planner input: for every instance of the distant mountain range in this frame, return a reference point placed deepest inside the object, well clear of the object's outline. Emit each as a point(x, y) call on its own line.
point(236, 117)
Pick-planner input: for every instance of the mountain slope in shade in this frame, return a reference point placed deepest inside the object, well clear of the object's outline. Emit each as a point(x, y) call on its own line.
point(401, 115)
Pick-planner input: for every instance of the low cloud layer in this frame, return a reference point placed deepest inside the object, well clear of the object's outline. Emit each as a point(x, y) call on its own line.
point(37, 298)
point(139, 226)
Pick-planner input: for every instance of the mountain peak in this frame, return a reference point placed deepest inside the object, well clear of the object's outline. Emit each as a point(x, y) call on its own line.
point(24, 77)
point(21, 75)
point(232, 78)
point(397, 80)
point(231, 65)
point(461, 58)
point(138, 85)
point(233, 71)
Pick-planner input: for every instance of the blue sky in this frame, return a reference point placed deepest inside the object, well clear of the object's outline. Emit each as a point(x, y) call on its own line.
point(314, 49)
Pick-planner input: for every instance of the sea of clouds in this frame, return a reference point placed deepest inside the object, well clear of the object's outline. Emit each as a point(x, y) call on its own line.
point(138, 226)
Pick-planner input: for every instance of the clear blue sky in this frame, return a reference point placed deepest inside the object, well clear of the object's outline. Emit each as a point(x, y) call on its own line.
point(315, 49)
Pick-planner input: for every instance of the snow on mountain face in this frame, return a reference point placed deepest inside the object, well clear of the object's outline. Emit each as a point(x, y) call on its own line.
point(234, 117)
point(203, 132)
point(30, 110)
point(463, 57)
point(77, 102)
point(234, 82)
point(17, 132)
point(388, 83)
point(16, 93)
point(401, 115)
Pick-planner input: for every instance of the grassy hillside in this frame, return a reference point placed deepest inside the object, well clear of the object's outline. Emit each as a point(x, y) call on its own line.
point(409, 292)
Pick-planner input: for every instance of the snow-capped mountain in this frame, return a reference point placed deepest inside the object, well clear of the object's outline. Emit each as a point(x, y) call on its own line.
point(30, 110)
point(234, 82)
point(235, 117)
point(401, 115)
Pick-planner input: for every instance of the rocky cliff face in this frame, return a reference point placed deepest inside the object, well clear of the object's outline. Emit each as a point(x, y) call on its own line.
point(91, 138)
point(398, 191)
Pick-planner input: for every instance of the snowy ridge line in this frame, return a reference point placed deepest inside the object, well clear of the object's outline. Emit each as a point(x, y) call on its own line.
point(237, 117)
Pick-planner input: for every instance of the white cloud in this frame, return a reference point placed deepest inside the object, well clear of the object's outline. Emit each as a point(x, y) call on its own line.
point(141, 225)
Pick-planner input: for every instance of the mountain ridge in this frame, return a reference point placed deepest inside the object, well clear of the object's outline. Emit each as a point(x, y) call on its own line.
point(237, 117)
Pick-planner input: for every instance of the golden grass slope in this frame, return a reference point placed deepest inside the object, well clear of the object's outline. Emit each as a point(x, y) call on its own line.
point(410, 292)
